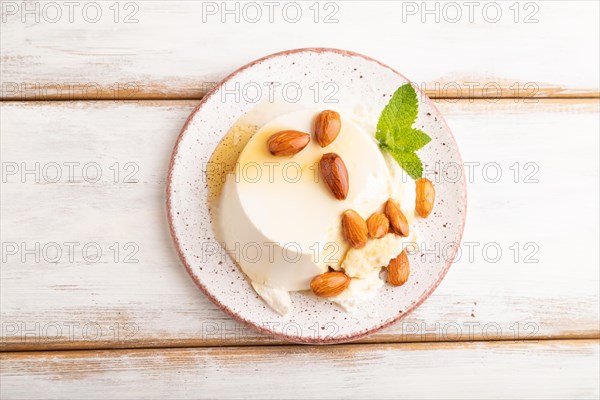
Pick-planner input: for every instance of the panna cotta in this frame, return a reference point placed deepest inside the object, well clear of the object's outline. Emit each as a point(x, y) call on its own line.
point(281, 222)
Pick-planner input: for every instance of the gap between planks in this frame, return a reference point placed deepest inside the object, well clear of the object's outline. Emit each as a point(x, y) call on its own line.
point(192, 343)
point(4, 355)
point(438, 101)
point(51, 99)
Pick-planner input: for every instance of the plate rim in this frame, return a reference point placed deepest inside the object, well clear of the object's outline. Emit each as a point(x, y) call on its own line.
point(262, 329)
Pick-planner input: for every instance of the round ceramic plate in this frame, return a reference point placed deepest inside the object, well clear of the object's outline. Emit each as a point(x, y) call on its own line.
point(296, 79)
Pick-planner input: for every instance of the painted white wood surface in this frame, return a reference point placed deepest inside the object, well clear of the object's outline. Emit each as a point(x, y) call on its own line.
point(167, 51)
point(160, 49)
point(545, 370)
point(87, 304)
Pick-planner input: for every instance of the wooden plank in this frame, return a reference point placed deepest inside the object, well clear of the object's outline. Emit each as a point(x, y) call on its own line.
point(546, 369)
point(550, 291)
point(177, 50)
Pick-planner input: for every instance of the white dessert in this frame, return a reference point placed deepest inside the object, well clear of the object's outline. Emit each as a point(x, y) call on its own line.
point(281, 223)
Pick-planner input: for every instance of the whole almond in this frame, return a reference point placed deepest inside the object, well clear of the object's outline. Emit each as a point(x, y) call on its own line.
point(354, 229)
point(398, 221)
point(329, 284)
point(398, 270)
point(327, 127)
point(378, 225)
point(334, 173)
point(425, 197)
point(287, 143)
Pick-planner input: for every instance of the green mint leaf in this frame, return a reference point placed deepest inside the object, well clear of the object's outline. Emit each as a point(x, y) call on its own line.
point(396, 134)
point(401, 112)
point(409, 161)
point(411, 139)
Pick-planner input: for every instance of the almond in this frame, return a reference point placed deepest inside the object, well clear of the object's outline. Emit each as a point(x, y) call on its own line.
point(398, 270)
point(327, 127)
point(398, 221)
point(329, 284)
point(378, 225)
point(334, 173)
point(287, 143)
point(425, 197)
point(354, 229)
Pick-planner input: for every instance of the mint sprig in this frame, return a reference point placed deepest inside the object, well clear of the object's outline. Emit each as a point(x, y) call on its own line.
point(396, 134)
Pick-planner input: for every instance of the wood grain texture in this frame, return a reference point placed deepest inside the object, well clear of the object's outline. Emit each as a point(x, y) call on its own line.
point(547, 369)
point(178, 50)
point(148, 300)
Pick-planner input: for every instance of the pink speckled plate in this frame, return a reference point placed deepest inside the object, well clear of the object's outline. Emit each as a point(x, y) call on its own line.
point(295, 79)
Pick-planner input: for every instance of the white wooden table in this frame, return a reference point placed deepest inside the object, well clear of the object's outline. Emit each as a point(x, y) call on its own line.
point(93, 97)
